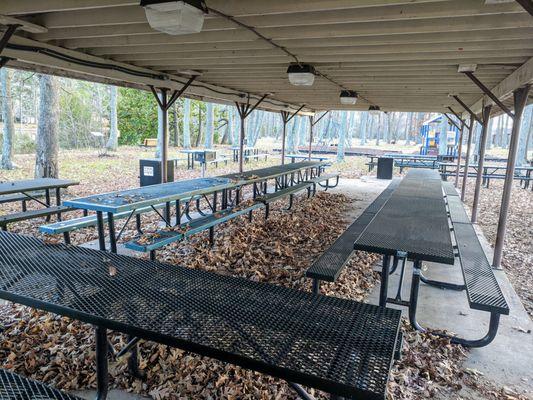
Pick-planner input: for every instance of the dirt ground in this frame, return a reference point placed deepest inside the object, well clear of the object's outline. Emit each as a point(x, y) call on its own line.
point(276, 251)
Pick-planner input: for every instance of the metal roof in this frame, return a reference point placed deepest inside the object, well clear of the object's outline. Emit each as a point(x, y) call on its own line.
point(401, 55)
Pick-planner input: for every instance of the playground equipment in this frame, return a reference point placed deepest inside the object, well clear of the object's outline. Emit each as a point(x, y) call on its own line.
point(431, 133)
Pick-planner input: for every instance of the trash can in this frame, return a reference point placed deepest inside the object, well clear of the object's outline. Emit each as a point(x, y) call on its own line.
point(151, 171)
point(385, 165)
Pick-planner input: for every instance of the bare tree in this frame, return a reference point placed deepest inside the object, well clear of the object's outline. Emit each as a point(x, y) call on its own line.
point(6, 162)
point(46, 161)
point(112, 143)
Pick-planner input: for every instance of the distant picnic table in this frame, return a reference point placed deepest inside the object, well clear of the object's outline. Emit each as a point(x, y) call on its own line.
point(33, 190)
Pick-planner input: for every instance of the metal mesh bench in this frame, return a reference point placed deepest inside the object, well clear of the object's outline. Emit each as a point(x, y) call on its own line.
point(340, 346)
point(449, 189)
point(482, 289)
point(65, 227)
point(150, 242)
point(16, 387)
point(32, 214)
point(330, 264)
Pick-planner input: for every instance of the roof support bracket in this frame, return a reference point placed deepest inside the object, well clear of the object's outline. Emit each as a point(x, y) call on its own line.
point(175, 95)
point(463, 122)
point(489, 93)
point(7, 35)
point(286, 116)
point(452, 121)
point(467, 109)
point(314, 122)
point(527, 5)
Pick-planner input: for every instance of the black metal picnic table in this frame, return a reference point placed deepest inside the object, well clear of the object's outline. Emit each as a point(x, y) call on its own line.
point(31, 190)
point(26, 187)
point(413, 224)
point(331, 344)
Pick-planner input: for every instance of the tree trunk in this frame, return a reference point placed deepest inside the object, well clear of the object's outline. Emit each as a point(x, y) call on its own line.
point(209, 126)
point(409, 123)
point(525, 130)
point(6, 162)
point(362, 127)
point(187, 123)
point(175, 124)
point(199, 137)
point(342, 137)
point(46, 162)
point(112, 143)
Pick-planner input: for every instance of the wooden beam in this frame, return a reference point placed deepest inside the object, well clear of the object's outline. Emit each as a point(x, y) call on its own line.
point(21, 24)
point(415, 38)
point(504, 89)
point(331, 31)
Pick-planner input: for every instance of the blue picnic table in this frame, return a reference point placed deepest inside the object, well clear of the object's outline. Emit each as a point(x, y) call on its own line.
point(295, 157)
point(167, 193)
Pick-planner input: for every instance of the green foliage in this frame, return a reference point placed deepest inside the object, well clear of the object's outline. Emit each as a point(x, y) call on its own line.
point(137, 116)
point(24, 144)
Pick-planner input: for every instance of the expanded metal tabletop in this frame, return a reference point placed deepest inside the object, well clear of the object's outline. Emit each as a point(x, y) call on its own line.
point(127, 200)
point(16, 387)
point(272, 172)
point(30, 185)
point(415, 225)
point(336, 345)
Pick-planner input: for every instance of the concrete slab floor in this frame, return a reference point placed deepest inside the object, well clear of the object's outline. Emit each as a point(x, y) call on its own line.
point(508, 360)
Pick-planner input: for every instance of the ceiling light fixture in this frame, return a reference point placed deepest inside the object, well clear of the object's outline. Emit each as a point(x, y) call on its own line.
point(348, 97)
point(301, 74)
point(174, 17)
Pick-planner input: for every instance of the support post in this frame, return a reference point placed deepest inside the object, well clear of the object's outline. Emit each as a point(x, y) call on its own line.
point(520, 100)
point(467, 158)
point(311, 124)
point(481, 160)
point(459, 151)
point(285, 118)
point(244, 110)
point(164, 104)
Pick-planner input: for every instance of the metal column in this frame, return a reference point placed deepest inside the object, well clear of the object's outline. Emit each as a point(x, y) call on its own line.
point(467, 157)
point(459, 151)
point(311, 124)
point(164, 134)
point(285, 118)
point(520, 100)
point(481, 160)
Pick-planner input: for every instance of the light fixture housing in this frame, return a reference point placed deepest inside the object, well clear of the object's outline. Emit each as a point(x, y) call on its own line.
point(348, 97)
point(374, 108)
point(301, 74)
point(467, 68)
point(174, 17)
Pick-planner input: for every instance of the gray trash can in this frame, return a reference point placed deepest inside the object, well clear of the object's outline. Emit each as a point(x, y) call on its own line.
point(385, 165)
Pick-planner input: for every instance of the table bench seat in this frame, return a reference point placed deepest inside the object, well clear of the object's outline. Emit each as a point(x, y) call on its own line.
point(291, 190)
point(337, 345)
point(14, 197)
point(330, 264)
point(152, 241)
point(449, 189)
point(482, 288)
point(17, 387)
point(89, 221)
point(32, 214)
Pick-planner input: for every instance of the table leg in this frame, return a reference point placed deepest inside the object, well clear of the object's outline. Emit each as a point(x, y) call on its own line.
point(112, 236)
point(47, 201)
point(102, 376)
point(413, 298)
point(101, 231)
point(58, 202)
point(383, 290)
point(178, 213)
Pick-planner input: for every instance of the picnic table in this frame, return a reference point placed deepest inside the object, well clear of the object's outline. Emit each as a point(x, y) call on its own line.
point(148, 196)
point(295, 157)
point(406, 160)
point(33, 190)
point(340, 346)
point(200, 155)
point(414, 224)
point(522, 173)
point(248, 151)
